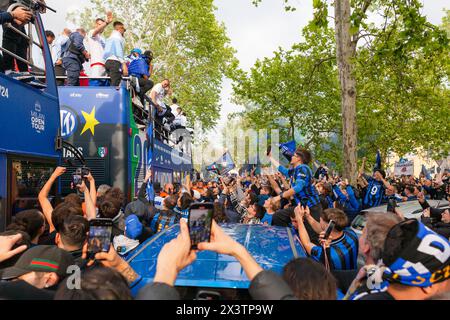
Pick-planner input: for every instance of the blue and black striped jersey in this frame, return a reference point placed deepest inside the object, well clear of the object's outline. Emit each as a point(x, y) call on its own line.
point(374, 193)
point(342, 253)
point(301, 182)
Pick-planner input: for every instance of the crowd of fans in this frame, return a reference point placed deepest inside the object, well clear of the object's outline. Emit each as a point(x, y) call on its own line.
point(393, 258)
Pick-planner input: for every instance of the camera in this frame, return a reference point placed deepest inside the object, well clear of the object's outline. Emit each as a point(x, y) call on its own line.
point(79, 176)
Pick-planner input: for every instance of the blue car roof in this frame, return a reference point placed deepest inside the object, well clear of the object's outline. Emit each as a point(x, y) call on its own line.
point(272, 247)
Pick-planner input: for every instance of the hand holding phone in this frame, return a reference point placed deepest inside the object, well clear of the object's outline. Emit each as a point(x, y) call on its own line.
point(100, 231)
point(392, 204)
point(200, 220)
point(330, 228)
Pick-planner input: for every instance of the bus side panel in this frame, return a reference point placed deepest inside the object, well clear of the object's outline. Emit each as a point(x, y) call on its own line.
point(3, 188)
point(31, 119)
point(94, 119)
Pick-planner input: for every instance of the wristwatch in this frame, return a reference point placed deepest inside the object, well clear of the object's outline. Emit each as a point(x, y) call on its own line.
point(281, 195)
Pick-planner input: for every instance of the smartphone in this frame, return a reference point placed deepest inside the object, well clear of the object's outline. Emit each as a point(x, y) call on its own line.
point(199, 222)
point(392, 204)
point(100, 231)
point(330, 228)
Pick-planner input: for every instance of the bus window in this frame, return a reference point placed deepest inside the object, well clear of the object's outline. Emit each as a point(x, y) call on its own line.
point(37, 54)
point(27, 179)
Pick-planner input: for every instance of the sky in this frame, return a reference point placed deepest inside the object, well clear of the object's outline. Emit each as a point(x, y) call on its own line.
point(255, 32)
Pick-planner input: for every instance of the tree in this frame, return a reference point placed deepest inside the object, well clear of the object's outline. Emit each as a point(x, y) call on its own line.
point(404, 36)
point(189, 45)
point(297, 93)
point(446, 23)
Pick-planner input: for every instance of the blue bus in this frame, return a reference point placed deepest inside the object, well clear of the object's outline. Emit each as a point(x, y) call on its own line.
point(106, 128)
point(44, 126)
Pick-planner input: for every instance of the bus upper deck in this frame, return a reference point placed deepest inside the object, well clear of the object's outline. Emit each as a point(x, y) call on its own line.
point(100, 122)
point(106, 127)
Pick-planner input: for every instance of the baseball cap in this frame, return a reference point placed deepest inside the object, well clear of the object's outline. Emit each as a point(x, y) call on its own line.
point(40, 259)
point(415, 255)
point(133, 227)
point(137, 50)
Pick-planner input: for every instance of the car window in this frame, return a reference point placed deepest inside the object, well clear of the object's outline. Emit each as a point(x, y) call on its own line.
point(359, 222)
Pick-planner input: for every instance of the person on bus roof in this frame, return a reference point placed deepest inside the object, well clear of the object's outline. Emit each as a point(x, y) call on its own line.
point(13, 41)
point(139, 68)
point(157, 95)
point(74, 57)
point(58, 48)
point(96, 47)
point(114, 55)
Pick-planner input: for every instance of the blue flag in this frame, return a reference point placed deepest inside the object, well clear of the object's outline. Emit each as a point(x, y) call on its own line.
point(288, 149)
point(150, 139)
point(378, 161)
point(226, 163)
point(223, 165)
point(426, 173)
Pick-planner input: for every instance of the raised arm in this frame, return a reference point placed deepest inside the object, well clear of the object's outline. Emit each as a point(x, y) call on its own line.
point(274, 184)
point(363, 165)
point(101, 27)
point(312, 222)
point(91, 213)
point(351, 196)
point(46, 206)
point(143, 190)
point(303, 234)
point(92, 188)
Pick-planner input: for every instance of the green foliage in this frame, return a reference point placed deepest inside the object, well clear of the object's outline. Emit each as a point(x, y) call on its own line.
point(296, 92)
point(402, 70)
point(189, 45)
point(446, 23)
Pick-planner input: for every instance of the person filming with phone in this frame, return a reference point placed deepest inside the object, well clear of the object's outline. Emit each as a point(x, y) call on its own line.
point(338, 249)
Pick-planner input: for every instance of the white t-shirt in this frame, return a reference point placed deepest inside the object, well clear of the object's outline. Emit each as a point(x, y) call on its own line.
point(96, 47)
point(180, 120)
point(174, 108)
point(160, 94)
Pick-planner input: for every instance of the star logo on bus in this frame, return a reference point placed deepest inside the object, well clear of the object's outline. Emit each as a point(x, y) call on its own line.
point(91, 122)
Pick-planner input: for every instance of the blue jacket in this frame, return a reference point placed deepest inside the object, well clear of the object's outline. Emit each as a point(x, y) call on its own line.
point(76, 39)
point(139, 68)
point(301, 181)
point(351, 205)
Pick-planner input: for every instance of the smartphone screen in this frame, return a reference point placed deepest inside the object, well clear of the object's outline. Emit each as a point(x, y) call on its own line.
point(99, 235)
point(200, 220)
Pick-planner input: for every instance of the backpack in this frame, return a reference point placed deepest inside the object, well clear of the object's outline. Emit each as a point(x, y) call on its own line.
point(162, 221)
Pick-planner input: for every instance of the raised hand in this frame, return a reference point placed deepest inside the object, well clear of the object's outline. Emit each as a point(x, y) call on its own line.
point(109, 17)
point(59, 171)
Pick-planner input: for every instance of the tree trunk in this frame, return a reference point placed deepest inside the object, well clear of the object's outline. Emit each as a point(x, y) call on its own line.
point(345, 51)
point(292, 128)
